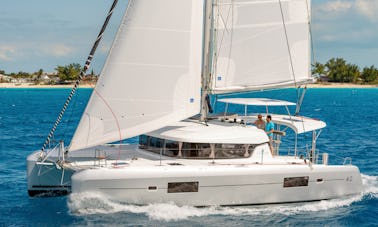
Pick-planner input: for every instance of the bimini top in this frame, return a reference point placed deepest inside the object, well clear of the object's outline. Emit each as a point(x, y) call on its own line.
point(224, 133)
point(257, 102)
point(299, 124)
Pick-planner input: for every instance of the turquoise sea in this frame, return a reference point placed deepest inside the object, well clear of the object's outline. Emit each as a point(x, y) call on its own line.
point(26, 116)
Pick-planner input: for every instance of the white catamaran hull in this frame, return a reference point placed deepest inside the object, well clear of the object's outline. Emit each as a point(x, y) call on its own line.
point(220, 184)
point(47, 178)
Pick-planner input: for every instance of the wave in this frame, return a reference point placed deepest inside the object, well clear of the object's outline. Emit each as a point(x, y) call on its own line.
point(96, 203)
point(370, 185)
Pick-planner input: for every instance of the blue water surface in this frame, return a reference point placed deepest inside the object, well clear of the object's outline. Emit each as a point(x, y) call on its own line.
point(27, 115)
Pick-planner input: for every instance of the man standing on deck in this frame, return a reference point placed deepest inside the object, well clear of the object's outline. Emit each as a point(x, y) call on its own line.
point(269, 129)
point(260, 123)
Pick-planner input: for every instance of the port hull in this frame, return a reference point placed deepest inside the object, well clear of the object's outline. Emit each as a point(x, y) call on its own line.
point(47, 178)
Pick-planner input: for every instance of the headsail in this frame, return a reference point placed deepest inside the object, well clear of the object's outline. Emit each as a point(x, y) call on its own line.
point(151, 77)
point(251, 49)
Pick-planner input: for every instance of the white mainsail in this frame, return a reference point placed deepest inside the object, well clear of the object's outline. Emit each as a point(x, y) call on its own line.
point(151, 77)
point(251, 50)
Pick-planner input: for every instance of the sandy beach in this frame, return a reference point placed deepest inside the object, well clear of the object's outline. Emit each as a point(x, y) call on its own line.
point(340, 85)
point(316, 85)
point(31, 85)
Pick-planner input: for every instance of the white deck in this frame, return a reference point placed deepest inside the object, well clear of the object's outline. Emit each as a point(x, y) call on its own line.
point(214, 132)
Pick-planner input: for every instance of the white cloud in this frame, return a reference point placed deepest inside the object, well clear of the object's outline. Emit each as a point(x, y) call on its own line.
point(336, 6)
point(368, 8)
point(57, 50)
point(6, 52)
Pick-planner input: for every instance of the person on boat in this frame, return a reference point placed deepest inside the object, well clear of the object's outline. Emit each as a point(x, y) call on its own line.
point(260, 123)
point(269, 129)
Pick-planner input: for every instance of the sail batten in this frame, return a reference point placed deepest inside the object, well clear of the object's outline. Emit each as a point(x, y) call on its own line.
point(151, 77)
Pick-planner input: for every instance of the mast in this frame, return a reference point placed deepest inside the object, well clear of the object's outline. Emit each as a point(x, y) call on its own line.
point(206, 69)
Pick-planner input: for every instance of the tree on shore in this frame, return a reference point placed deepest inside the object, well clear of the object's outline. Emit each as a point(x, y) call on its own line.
point(369, 74)
point(352, 73)
point(38, 76)
point(20, 75)
point(318, 69)
point(338, 70)
point(69, 72)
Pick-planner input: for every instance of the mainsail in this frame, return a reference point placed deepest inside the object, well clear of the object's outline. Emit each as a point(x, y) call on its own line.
point(260, 44)
point(151, 77)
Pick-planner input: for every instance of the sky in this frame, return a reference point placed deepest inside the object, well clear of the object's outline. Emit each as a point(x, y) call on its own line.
point(42, 34)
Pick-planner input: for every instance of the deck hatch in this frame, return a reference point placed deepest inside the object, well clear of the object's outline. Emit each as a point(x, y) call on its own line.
point(178, 187)
point(295, 182)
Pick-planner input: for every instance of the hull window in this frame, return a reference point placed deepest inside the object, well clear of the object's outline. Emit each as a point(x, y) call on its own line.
point(152, 188)
point(295, 182)
point(178, 187)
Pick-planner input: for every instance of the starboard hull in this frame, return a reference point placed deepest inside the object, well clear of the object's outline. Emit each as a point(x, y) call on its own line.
point(220, 185)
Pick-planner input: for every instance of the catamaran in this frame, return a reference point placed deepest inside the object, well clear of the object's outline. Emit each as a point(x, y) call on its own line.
point(167, 57)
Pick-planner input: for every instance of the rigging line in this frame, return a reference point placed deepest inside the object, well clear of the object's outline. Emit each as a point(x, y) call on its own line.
point(220, 44)
point(82, 74)
point(232, 37)
point(215, 51)
point(207, 58)
point(287, 43)
point(310, 30)
point(213, 44)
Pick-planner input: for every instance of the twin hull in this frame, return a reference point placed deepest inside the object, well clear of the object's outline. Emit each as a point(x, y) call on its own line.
point(220, 185)
point(47, 178)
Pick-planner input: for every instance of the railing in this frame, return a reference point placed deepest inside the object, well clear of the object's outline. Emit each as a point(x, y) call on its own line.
point(100, 157)
point(347, 159)
point(320, 158)
point(48, 153)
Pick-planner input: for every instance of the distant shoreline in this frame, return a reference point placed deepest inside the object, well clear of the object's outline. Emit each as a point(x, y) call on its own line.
point(31, 85)
point(317, 85)
point(341, 85)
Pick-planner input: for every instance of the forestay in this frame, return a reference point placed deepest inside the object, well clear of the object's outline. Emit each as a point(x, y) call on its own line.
point(251, 50)
point(151, 77)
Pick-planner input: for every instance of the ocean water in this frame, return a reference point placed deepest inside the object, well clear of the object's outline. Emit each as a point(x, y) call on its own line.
point(26, 116)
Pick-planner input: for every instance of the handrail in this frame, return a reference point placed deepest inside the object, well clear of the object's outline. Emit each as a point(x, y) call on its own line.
point(49, 152)
point(347, 159)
